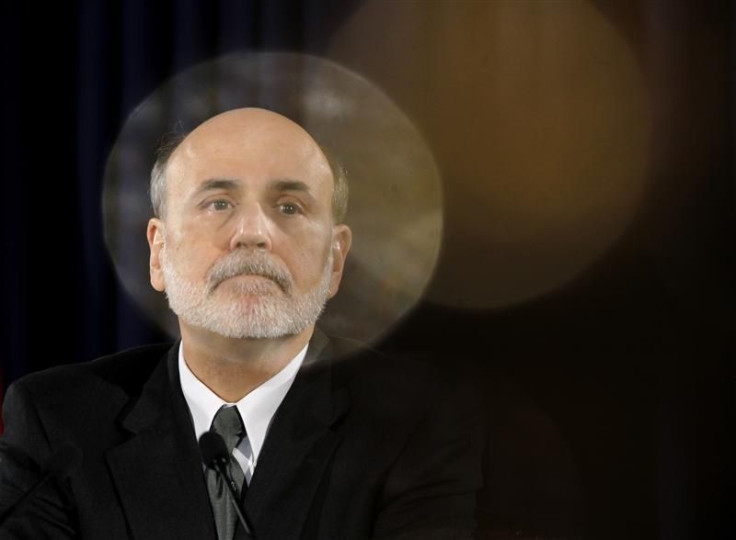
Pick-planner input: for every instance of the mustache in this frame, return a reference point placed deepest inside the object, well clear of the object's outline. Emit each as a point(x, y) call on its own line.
point(241, 263)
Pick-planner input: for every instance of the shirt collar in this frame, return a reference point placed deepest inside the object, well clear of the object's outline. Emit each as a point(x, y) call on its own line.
point(256, 408)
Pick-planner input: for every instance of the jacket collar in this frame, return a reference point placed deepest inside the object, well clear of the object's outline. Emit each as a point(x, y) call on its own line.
point(158, 471)
point(299, 445)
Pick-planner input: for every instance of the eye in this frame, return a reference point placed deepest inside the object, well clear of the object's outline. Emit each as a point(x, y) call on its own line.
point(290, 209)
point(219, 205)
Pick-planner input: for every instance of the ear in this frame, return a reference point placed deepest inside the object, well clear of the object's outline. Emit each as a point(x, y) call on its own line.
point(155, 235)
point(342, 238)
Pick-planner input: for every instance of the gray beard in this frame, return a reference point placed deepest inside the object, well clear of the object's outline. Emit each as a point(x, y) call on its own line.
point(265, 313)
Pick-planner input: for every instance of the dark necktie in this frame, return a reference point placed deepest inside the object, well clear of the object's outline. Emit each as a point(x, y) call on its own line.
point(229, 426)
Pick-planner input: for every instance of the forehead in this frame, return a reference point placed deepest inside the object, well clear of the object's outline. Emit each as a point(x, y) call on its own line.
point(251, 146)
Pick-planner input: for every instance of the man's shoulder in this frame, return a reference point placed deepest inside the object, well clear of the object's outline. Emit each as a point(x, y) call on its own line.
point(127, 370)
point(405, 384)
point(369, 367)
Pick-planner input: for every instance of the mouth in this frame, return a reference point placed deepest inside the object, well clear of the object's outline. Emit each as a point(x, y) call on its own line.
point(252, 283)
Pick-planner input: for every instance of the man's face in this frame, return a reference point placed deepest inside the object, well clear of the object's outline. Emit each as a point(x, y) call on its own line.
point(247, 247)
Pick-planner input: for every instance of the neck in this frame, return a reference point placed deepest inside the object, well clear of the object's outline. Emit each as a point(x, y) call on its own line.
point(232, 368)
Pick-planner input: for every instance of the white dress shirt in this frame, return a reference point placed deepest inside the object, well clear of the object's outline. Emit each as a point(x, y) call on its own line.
point(256, 408)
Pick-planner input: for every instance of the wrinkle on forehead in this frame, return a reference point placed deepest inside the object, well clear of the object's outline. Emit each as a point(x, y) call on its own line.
point(263, 139)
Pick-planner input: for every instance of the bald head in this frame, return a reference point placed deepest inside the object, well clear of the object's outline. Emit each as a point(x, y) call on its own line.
point(259, 136)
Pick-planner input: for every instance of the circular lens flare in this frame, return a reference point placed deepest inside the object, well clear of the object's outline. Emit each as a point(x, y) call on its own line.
point(395, 208)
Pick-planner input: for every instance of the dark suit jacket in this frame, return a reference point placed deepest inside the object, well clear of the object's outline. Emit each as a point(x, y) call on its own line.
point(361, 447)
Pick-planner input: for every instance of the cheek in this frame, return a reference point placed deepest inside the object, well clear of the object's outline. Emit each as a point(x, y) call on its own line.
point(189, 258)
point(307, 261)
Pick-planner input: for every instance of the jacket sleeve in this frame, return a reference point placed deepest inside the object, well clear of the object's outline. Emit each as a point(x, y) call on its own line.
point(25, 450)
point(430, 492)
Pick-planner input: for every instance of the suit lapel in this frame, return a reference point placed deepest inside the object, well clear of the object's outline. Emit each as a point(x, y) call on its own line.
point(158, 471)
point(298, 447)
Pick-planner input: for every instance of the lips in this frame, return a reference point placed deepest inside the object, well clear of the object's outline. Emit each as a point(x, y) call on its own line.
point(248, 264)
point(248, 276)
point(258, 277)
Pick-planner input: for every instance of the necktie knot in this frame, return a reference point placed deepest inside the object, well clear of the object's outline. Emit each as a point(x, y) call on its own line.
point(229, 425)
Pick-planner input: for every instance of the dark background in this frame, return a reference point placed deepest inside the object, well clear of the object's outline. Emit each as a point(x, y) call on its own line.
point(612, 399)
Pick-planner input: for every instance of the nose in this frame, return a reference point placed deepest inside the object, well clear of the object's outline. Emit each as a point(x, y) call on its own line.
point(251, 230)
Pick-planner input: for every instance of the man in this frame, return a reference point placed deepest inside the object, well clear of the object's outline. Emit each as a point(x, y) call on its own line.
point(247, 243)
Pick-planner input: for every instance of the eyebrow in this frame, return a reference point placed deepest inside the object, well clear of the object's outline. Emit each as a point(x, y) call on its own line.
point(285, 184)
point(214, 184)
point(289, 185)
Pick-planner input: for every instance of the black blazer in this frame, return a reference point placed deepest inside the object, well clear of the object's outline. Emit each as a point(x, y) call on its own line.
point(361, 447)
